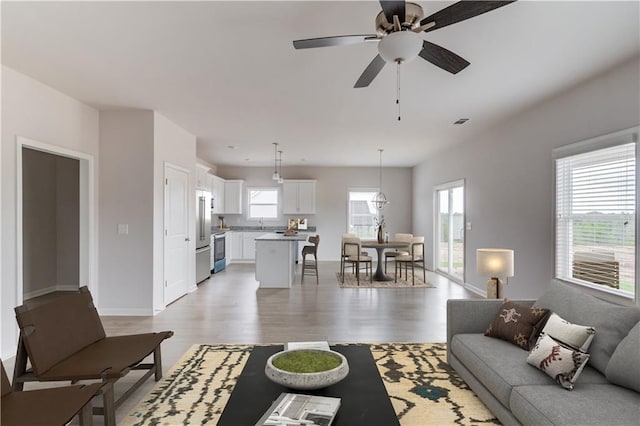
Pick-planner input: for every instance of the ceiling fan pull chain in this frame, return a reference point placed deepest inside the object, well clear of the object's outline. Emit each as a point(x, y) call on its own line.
point(398, 89)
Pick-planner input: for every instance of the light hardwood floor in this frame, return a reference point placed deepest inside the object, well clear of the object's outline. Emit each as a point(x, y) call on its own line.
point(229, 308)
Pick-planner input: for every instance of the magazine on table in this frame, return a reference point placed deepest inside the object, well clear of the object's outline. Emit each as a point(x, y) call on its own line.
point(292, 409)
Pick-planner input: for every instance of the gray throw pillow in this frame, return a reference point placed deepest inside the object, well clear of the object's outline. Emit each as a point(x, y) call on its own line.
point(624, 366)
point(611, 321)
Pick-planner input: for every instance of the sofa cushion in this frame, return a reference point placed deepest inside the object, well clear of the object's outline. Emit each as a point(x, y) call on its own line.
point(500, 366)
point(516, 323)
point(576, 336)
point(558, 361)
point(588, 404)
point(624, 367)
point(612, 322)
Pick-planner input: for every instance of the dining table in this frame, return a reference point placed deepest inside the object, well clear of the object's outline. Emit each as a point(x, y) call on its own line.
point(379, 275)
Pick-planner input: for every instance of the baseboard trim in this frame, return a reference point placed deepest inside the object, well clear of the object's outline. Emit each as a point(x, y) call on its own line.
point(120, 312)
point(51, 289)
point(476, 290)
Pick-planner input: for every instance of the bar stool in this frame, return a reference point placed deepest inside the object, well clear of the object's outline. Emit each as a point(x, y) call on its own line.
point(310, 267)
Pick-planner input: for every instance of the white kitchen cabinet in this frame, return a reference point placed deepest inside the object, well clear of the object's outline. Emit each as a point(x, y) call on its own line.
point(299, 197)
point(249, 245)
point(233, 196)
point(202, 177)
point(217, 194)
point(236, 242)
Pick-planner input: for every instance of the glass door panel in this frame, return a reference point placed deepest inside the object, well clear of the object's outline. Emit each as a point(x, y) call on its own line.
point(450, 230)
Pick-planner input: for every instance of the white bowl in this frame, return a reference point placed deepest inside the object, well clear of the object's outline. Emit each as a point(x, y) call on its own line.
point(306, 381)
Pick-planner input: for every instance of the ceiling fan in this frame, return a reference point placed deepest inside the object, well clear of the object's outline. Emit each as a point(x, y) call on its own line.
point(398, 26)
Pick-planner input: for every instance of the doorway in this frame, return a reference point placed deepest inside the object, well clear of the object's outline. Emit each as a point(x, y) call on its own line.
point(450, 230)
point(55, 236)
point(176, 237)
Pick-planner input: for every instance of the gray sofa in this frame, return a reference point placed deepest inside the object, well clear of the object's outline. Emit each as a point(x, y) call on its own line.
point(606, 393)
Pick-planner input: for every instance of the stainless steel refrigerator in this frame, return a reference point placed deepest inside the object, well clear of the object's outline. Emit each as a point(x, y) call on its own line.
point(203, 235)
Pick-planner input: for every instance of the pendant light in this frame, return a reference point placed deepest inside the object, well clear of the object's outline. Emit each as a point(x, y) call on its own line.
point(275, 175)
point(280, 178)
point(380, 200)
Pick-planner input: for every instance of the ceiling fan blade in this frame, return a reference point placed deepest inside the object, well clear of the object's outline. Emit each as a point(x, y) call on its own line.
point(391, 8)
point(370, 72)
point(333, 41)
point(443, 58)
point(460, 11)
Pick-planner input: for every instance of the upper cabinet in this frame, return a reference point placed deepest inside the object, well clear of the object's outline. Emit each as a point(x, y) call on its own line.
point(202, 177)
point(217, 194)
point(233, 196)
point(299, 196)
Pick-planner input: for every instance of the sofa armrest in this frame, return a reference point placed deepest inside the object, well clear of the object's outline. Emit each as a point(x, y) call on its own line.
point(472, 315)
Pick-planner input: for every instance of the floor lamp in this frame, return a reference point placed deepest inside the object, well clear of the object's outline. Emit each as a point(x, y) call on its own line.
point(497, 264)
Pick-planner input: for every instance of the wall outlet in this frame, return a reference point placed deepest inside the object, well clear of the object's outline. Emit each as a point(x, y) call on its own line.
point(123, 229)
point(468, 226)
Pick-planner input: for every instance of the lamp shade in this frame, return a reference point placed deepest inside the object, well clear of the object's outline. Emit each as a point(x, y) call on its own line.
point(493, 262)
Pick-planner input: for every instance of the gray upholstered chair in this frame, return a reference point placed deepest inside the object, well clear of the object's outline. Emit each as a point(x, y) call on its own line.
point(403, 238)
point(415, 256)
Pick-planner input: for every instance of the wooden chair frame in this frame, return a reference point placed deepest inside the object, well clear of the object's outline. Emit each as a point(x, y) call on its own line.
point(63, 369)
point(413, 261)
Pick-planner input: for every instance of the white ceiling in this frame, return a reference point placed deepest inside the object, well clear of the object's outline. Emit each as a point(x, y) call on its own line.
point(227, 71)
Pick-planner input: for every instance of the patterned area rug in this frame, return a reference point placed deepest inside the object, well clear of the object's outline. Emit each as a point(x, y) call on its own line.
point(422, 387)
point(351, 282)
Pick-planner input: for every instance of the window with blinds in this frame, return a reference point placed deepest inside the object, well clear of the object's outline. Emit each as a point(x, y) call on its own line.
point(596, 218)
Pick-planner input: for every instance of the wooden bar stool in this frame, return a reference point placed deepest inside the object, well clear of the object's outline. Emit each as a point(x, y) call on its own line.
point(310, 267)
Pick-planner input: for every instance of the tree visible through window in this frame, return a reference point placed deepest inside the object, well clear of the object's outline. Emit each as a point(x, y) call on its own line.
point(596, 218)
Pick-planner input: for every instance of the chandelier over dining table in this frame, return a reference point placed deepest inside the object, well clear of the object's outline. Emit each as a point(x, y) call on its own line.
point(380, 200)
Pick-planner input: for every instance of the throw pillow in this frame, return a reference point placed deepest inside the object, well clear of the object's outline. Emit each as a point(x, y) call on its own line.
point(518, 324)
point(560, 362)
point(624, 366)
point(578, 337)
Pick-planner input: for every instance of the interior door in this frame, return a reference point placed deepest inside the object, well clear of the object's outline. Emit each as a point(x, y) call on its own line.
point(176, 252)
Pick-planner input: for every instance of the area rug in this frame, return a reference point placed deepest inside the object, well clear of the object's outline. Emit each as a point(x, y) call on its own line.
point(351, 282)
point(422, 387)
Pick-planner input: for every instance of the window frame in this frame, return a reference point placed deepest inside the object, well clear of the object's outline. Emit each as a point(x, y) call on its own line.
point(373, 192)
point(278, 203)
point(610, 140)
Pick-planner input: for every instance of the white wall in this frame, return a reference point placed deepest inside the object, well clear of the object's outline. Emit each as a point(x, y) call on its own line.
point(36, 111)
point(508, 173)
point(174, 145)
point(126, 198)
point(333, 184)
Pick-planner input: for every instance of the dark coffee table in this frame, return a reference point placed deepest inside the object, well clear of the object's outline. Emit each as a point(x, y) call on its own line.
point(364, 398)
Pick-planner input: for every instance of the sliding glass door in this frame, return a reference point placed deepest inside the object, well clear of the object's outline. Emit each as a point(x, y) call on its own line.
point(449, 248)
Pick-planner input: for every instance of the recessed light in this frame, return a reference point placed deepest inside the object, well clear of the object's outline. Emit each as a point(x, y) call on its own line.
point(460, 121)
point(232, 147)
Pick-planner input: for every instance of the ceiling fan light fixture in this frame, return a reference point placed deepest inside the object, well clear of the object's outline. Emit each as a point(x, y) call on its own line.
point(401, 46)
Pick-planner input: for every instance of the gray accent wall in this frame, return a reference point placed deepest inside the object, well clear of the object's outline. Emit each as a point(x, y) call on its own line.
point(508, 172)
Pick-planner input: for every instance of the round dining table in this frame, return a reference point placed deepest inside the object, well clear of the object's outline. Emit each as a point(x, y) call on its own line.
point(380, 248)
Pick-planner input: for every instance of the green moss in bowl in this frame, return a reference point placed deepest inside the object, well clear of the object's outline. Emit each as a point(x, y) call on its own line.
point(307, 361)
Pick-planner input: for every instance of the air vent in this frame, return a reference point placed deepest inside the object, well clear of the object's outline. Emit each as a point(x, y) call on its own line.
point(460, 121)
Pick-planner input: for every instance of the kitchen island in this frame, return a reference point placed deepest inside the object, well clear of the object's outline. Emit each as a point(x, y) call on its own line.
point(276, 259)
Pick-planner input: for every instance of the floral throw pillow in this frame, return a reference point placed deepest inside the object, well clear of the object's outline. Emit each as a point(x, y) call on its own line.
point(558, 361)
point(518, 324)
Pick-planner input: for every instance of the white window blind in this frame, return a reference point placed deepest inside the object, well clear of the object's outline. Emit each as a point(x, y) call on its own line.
point(596, 217)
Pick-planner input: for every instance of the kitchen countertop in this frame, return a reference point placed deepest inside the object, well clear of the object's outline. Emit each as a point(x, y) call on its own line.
point(281, 237)
point(266, 229)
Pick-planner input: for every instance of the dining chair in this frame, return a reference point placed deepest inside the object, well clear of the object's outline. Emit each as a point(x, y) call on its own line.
point(352, 253)
point(310, 267)
point(342, 256)
point(403, 238)
point(415, 256)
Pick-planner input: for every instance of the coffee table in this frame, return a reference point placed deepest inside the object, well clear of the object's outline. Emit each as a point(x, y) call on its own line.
point(364, 399)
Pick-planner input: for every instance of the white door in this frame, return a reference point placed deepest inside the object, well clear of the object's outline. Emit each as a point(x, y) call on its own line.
point(450, 228)
point(176, 238)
